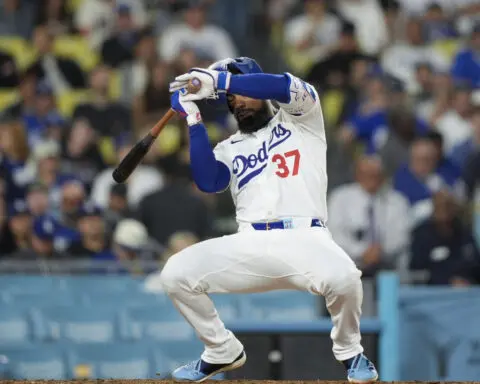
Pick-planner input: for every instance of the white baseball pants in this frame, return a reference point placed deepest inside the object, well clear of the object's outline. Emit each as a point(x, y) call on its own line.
point(304, 259)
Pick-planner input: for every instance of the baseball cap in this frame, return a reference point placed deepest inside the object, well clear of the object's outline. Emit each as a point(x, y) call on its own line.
point(123, 9)
point(46, 149)
point(131, 234)
point(44, 228)
point(119, 190)
point(18, 207)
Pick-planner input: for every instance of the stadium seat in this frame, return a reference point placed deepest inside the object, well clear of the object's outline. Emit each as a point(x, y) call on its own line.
point(69, 100)
point(76, 47)
point(15, 325)
point(111, 361)
point(7, 98)
point(280, 306)
point(82, 324)
point(34, 362)
point(162, 324)
point(21, 50)
point(170, 355)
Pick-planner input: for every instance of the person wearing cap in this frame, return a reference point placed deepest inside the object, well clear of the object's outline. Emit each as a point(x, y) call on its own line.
point(119, 47)
point(117, 208)
point(93, 237)
point(466, 65)
point(25, 103)
point(20, 223)
point(42, 242)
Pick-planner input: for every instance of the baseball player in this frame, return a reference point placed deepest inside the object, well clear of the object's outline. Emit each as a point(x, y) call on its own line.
point(275, 167)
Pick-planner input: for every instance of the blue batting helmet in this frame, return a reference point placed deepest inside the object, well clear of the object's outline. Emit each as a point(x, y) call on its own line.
point(239, 65)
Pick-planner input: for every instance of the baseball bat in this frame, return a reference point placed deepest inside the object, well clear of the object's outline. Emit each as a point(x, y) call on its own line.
point(138, 152)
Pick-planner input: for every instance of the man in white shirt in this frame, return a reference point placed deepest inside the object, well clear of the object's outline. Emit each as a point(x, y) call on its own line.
point(402, 58)
point(195, 34)
point(369, 219)
point(455, 125)
point(315, 31)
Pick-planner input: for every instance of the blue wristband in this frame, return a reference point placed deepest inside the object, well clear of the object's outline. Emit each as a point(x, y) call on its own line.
point(223, 81)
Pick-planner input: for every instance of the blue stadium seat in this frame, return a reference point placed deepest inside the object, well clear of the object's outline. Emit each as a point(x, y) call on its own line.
point(15, 325)
point(173, 354)
point(84, 324)
point(34, 361)
point(161, 323)
point(102, 284)
point(111, 361)
point(227, 305)
point(280, 306)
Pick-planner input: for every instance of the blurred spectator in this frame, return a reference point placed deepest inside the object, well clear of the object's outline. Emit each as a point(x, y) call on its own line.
point(145, 180)
point(119, 48)
point(467, 154)
point(16, 153)
point(367, 16)
point(423, 176)
point(54, 14)
point(135, 77)
point(20, 223)
point(26, 104)
point(437, 24)
point(401, 58)
point(41, 248)
point(432, 96)
point(61, 73)
point(155, 99)
point(8, 71)
point(455, 124)
point(37, 199)
point(338, 62)
point(93, 236)
point(81, 155)
point(196, 34)
point(172, 209)
point(95, 19)
point(72, 199)
point(44, 112)
point(178, 242)
point(106, 117)
point(395, 19)
point(16, 18)
point(369, 219)
point(117, 208)
point(442, 245)
point(369, 123)
point(466, 65)
point(316, 31)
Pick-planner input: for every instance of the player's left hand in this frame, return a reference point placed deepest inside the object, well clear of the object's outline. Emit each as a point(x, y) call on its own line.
point(212, 82)
point(186, 109)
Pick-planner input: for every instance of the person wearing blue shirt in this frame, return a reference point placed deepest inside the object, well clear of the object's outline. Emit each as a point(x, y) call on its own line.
point(466, 65)
point(424, 175)
point(462, 152)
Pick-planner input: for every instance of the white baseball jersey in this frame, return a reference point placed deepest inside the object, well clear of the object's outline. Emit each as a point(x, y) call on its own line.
point(279, 172)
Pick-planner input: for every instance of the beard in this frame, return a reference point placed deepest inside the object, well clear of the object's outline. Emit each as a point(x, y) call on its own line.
point(251, 120)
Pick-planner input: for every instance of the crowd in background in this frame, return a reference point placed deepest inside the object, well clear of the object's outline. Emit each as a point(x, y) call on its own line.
point(82, 80)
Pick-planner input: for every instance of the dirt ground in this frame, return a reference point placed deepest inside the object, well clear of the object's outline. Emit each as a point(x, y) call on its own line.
point(210, 382)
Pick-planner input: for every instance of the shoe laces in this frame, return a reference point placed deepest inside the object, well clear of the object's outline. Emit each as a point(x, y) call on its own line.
point(194, 365)
point(359, 361)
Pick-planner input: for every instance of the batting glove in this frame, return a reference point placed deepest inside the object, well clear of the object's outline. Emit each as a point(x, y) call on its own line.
point(212, 82)
point(184, 108)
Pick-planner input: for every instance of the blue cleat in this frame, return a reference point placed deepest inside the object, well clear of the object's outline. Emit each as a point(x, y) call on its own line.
point(199, 370)
point(360, 369)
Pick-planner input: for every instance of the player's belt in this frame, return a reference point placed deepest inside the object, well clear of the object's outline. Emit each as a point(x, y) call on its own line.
point(284, 224)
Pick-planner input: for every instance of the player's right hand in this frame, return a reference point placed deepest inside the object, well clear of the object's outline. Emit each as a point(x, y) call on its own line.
point(187, 109)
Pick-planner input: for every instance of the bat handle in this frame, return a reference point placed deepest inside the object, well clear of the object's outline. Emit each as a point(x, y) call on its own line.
point(157, 128)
